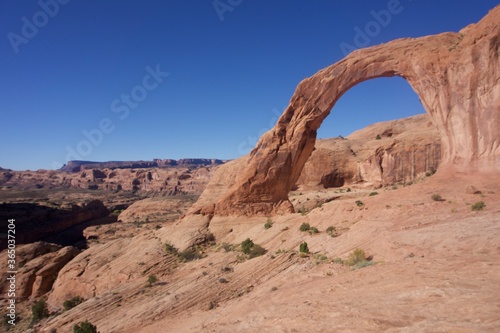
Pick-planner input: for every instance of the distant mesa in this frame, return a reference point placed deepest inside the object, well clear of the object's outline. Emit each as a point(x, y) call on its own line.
point(77, 166)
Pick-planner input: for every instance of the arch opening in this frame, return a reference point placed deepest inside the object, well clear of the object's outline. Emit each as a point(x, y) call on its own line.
point(392, 139)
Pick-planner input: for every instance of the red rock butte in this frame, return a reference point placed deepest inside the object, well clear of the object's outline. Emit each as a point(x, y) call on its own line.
point(455, 75)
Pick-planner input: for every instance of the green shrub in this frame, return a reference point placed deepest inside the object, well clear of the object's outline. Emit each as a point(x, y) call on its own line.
point(372, 194)
point(356, 256)
point(357, 259)
point(268, 224)
point(256, 251)
point(170, 249)
point(305, 227)
point(378, 137)
point(348, 189)
point(253, 250)
point(84, 327)
point(152, 280)
point(247, 245)
point(359, 203)
point(478, 206)
point(303, 248)
point(189, 255)
point(117, 212)
point(71, 303)
point(39, 311)
point(436, 197)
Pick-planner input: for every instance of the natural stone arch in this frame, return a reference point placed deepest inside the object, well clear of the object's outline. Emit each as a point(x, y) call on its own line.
point(456, 76)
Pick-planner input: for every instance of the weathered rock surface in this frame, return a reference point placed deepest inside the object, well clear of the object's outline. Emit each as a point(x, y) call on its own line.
point(407, 149)
point(456, 76)
point(185, 176)
point(38, 266)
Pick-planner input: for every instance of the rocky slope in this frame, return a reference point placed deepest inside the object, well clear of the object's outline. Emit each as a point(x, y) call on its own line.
point(434, 269)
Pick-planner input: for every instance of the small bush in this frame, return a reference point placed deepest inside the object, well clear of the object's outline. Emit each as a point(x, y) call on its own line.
point(303, 248)
point(359, 203)
point(372, 194)
point(268, 224)
point(356, 256)
point(436, 197)
point(227, 247)
point(313, 230)
point(478, 206)
point(256, 251)
point(253, 250)
point(303, 211)
point(170, 249)
point(348, 189)
point(84, 327)
point(247, 245)
point(331, 231)
point(117, 212)
point(338, 260)
point(378, 137)
point(357, 259)
point(189, 255)
point(71, 303)
point(305, 227)
point(152, 280)
point(39, 311)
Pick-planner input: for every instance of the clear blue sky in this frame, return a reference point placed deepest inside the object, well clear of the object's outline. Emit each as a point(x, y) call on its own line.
point(86, 66)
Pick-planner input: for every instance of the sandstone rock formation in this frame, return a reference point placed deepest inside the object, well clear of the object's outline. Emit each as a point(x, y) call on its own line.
point(38, 266)
point(456, 76)
point(408, 149)
point(172, 178)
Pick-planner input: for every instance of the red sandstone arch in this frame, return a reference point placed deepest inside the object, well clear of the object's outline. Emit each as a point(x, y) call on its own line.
point(456, 76)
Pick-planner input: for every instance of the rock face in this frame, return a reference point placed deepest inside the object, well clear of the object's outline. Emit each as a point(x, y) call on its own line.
point(456, 76)
point(39, 263)
point(35, 222)
point(380, 154)
point(164, 177)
